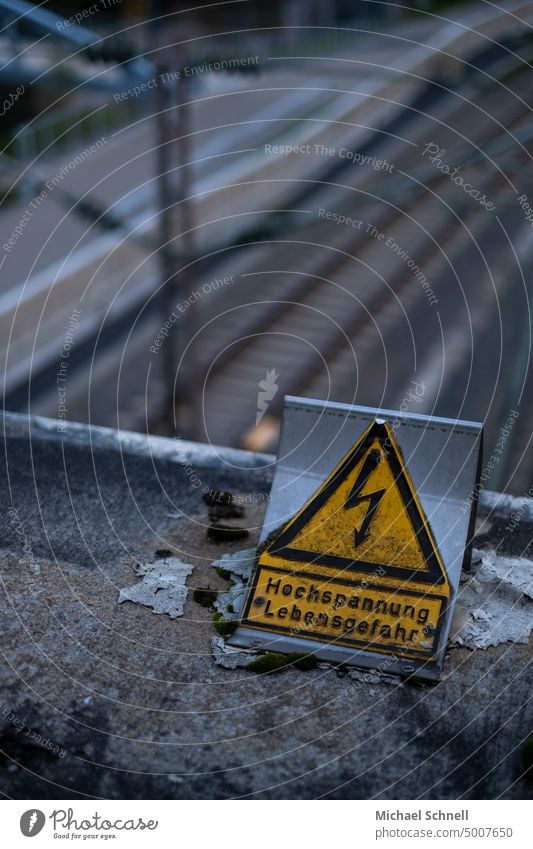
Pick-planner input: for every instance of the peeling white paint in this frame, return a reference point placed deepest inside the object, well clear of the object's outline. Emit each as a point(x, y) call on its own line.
point(494, 603)
point(516, 571)
point(163, 586)
point(239, 565)
point(502, 505)
point(232, 599)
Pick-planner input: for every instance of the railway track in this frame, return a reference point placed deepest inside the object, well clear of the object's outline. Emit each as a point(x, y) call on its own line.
point(335, 289)
point(342, 293)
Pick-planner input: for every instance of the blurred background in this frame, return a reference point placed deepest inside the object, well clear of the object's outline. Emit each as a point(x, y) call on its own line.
point(203, 211)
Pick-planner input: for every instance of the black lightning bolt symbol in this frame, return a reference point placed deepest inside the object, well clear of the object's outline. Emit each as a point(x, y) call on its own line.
point(371, 462)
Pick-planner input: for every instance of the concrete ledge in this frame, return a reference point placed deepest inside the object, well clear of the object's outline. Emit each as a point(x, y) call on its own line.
point(108, 700)
point(126, 442)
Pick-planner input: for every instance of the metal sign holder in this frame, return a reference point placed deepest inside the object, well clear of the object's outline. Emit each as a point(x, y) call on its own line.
point(443, 459)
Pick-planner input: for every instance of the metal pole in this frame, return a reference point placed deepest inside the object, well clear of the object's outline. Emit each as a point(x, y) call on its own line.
point(191, 378)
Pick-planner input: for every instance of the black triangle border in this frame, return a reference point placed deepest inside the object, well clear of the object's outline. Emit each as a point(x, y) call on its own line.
point(434, 576)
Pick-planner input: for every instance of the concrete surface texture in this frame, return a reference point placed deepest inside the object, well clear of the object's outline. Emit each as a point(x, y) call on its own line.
point(108, 700)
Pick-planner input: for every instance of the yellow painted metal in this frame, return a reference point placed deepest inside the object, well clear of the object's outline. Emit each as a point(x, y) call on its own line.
point(358, 564)
point(374, 617)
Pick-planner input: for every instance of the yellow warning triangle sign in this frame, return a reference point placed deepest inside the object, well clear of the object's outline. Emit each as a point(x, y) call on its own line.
point(365, 518)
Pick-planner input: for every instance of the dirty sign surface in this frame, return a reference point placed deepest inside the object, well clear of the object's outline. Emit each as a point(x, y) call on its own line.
point(357, 567)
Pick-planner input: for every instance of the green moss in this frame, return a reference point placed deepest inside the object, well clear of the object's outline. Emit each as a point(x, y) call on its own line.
point(223, 573)
point(269, 541)
point(304, 662)
point(205, 597)
point(230, 608)
point(225, 627)
point(276, 662)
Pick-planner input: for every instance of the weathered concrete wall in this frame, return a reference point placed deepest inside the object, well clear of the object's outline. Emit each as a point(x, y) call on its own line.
point(111, 700)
